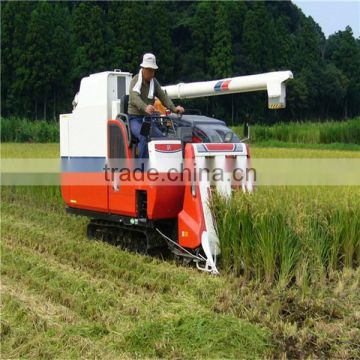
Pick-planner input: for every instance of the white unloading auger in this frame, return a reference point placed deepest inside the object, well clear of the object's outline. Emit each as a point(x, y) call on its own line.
point(208, 156)
point(273, 82)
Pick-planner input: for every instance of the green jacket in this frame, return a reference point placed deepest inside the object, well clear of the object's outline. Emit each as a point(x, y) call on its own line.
point(139, 102)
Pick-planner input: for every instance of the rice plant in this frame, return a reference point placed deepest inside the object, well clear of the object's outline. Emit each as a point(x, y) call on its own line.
point(285, 234)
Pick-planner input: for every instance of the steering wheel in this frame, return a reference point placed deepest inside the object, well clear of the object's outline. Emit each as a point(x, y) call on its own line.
point(163, 123)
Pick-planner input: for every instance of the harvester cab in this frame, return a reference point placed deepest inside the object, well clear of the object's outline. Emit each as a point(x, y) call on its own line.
point(165, 199)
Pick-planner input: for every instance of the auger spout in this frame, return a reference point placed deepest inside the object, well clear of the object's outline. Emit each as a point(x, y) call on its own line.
point(272, 82)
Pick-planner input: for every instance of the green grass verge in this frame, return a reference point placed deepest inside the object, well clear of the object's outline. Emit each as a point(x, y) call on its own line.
point(52, 150)
point(284, 144)
point(344, 132)
point(333, 134)
point(24, 130)
point(29, 151)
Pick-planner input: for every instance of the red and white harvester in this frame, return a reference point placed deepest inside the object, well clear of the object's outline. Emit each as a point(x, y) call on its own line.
point(165, 198)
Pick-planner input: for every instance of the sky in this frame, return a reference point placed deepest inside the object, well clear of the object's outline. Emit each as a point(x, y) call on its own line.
point(333, 15)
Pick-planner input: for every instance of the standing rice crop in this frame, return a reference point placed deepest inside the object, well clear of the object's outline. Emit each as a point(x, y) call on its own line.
point(289, 234)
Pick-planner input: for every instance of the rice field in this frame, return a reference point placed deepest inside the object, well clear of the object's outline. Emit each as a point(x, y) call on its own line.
point(290, 282)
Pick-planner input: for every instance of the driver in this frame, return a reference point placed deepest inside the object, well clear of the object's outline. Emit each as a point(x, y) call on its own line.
point(143, 89)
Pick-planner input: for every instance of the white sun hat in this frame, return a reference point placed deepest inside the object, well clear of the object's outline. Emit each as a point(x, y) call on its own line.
point(149, 61)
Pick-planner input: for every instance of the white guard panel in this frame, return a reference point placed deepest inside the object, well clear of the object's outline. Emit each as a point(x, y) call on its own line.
point(64, 134)
point(88, 125)
point(165, 154)
point(214, 156)
point(115, 108)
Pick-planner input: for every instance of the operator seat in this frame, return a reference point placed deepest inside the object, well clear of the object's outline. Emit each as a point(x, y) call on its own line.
point(124, 103)
point(124, 117)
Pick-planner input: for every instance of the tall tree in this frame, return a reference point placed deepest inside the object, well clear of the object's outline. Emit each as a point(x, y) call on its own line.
point(343, 50)
point(202, 34)
point(257, 39)
point(132, 35)
point(89, 28)
point(308, 45)
point(7, 67)
point(15, 18)
point(297, 98)
point(39, 64)
point(332, 86)
point(222, 57)
point(60, 53)
point(236, 11)
point(160, 38)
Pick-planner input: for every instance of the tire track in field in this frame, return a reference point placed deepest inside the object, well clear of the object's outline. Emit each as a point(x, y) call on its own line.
point(88, 301)
point(32, 323)
point(53, 241)
point(131, 267)
point(139, 289)
point(53, 313)
point(133, 296)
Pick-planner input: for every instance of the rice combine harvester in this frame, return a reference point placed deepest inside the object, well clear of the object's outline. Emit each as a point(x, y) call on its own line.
point(96, 136)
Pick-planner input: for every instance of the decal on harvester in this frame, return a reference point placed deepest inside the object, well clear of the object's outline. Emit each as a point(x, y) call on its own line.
point(168, 148)
point(222, 85)
point(220, 147)
point(204, 148)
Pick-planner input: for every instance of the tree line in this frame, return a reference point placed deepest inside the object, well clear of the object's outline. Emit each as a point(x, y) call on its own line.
point(47, 47)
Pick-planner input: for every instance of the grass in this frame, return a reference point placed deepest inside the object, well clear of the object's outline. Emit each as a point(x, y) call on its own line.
point(330, 132)
point(24, 130)
point(52, 150)
point(274, 152)
point(29, 151)
point(295, 293)
point(344, 135)
point(285, 145)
